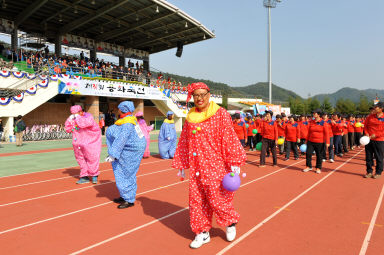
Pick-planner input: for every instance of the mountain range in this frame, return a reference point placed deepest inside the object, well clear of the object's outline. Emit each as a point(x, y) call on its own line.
point(279, 94)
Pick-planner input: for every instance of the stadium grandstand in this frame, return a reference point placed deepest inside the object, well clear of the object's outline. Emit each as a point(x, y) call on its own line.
point(42, 85)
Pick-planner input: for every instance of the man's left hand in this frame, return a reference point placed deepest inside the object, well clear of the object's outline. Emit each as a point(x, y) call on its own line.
point(235, 169)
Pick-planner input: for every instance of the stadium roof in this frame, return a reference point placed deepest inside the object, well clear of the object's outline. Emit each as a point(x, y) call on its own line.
point(150, 25)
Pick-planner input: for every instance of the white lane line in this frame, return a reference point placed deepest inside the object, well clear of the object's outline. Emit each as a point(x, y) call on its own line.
point(84, 209)
point(129, 231)
point(88, 208)
point(87, 187)
point(49, 180)
point(281, 209)
point(167, 216)
point(56, 169)
point(367, 238)
point(70, 176)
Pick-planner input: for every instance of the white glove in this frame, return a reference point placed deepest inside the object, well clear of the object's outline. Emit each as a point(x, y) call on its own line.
point(109, 159)
point(168, 138)
point(77, 115)
point(235, 169)
point(153, 126)
point(72, 117)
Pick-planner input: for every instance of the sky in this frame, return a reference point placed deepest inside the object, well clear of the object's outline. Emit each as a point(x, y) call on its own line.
point(317, 46)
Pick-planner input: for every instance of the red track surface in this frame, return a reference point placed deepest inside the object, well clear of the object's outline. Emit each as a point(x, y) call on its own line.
point(283, 211)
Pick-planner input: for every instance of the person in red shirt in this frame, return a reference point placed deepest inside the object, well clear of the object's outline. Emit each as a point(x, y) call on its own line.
point(345, 133)
point(303, 123)
point(317, 136)
point(292, 136)
point(250, 125)
point(102, 125)
point(351, 131)
point(240, 129)
point(337, 130)
point(269, 140)
point(358, 129)
point(331, 155)
point(281, 132)
point(374, 129)
point(258, 122)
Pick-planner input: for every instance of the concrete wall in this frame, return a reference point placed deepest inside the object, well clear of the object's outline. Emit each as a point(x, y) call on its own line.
point(48, 113)
point(150, 112)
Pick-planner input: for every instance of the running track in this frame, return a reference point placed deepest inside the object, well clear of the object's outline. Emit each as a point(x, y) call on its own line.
point(283, 211)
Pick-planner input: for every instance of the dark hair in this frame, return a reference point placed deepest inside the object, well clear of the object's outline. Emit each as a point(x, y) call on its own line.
point(237, 115)
point(19, 117)
point(380, 105)
point(318, 111)
point(337, 114)
point(283, 115)
point(278, 116)
point(324, 113)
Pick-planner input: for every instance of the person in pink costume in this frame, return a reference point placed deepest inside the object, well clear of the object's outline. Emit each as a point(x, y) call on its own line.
point(146, 129)
point(86, 141)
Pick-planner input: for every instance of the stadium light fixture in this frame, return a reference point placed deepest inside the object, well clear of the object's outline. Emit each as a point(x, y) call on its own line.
point(93, 2)
point(204, 37)
point(118, 23)
point(186, 24)
point(137, 17)
point(270, 4)
point(60, 17)
point(157, 9)
point(101, 30)
point(75, 9)
point(4, 4)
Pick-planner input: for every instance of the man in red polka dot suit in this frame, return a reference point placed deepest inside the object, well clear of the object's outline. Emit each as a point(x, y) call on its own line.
point(210, 148)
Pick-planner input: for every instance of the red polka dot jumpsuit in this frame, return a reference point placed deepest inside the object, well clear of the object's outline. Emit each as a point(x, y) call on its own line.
point(209, 149)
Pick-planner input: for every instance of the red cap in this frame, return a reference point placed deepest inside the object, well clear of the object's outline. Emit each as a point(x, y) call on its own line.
point(197, 85)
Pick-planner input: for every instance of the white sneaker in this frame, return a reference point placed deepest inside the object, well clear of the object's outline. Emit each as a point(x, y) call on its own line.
point(331, 160)
point(318, 171)
point(200, 239)
point(307, 169)
point(231, 233)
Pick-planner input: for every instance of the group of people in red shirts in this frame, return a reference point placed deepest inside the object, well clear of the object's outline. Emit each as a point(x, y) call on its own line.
point(324, 134)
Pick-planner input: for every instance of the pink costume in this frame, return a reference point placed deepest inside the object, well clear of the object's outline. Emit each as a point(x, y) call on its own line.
point(146, 129)
point(86, 141)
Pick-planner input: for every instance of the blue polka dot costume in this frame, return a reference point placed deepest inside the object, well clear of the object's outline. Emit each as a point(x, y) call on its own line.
point(167, 138)
point(128, 149)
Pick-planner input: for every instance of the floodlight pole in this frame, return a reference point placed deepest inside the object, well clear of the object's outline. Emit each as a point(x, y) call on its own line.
point(270, 4)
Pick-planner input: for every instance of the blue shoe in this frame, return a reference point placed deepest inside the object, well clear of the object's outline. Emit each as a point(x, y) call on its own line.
point(83, 180)
point(94, 179)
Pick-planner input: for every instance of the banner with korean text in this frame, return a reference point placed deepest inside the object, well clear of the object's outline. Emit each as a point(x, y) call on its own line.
point(109, 89)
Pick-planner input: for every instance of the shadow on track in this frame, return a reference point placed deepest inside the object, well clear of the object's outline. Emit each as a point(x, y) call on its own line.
point(178, 223)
